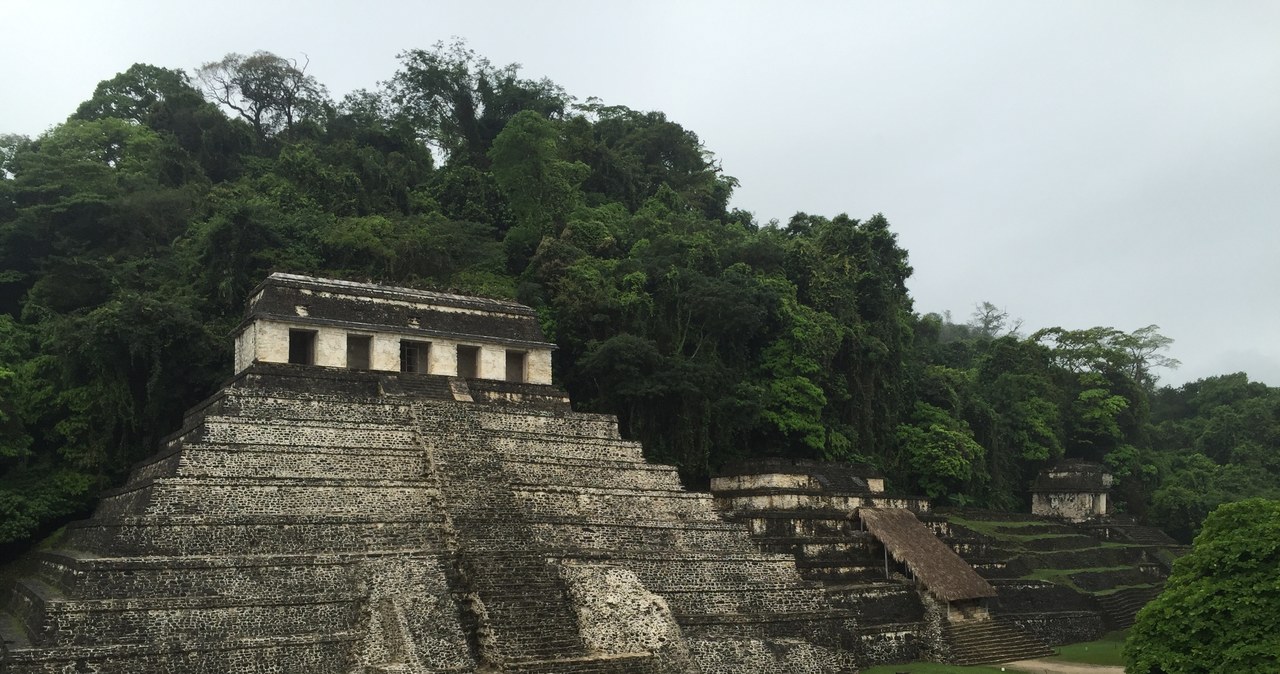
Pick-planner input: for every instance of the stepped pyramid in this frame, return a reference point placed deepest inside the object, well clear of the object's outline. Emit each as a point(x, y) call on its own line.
point(390, 483)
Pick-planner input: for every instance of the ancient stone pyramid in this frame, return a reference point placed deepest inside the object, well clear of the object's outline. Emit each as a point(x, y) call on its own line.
point(347, 513)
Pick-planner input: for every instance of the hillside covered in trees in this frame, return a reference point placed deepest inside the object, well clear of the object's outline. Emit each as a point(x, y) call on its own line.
point(131, 233)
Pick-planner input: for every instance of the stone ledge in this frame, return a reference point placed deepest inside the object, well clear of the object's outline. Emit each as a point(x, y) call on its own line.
point(255, 519)
point(81, 561)
point(67, 605)
point(634, 523)
point(72, 653)
point(618, 492)
point(691, 619)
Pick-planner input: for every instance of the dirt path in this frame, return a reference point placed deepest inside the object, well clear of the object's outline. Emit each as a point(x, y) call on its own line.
point(1051, 667)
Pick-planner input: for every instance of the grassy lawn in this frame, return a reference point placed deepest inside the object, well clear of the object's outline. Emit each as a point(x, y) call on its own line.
point(1000, 530)
point(931, 668)
point(1060, 575)
point(1106, 651)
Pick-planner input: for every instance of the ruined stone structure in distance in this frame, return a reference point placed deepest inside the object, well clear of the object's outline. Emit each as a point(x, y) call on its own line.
point(391, 483)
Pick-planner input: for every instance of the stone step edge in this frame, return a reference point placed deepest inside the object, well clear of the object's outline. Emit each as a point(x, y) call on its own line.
point(602, 657)
point(651, 555)
point(249, 481)
point(51, 599)
point(878, 584)
point(693, 619)
point(27, 654)
point(173, 448)
point(331, 424)
point(71, 559)
point(574, 462)
point(237, 520)
point(681, 494)
point(269, 448)
point(533, 412)
point(797, 586)
point(635, 523)
point(429, 434)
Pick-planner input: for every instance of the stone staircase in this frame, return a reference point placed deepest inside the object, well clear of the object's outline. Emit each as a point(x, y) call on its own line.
point(256, 540)
point(588, 498)
point(991, 641)
point(1121, 607)
point(829, 548)
point(319, 522)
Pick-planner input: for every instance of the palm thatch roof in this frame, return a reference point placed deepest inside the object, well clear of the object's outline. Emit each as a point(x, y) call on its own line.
point(937, 566)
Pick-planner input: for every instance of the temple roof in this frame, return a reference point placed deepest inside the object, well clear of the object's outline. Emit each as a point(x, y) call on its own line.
point(309, 300)
point(1074, 476)
point(942, 572)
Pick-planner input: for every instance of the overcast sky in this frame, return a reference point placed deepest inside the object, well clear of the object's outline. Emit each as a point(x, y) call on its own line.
point(1076, 163)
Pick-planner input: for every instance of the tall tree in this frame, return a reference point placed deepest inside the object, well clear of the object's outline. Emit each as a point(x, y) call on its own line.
point(270, 92)
point(1219, 609)
point(460, 102)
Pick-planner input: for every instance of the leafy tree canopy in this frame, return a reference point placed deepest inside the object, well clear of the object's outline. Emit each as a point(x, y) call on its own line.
point(1219, 609)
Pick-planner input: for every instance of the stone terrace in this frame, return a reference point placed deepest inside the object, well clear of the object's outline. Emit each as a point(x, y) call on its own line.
point(316, 520)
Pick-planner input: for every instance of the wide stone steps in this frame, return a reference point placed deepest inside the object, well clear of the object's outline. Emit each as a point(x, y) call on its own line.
point(527, 610)
point(53, 620)
point(879, 603)
point(744, 600)
point(1121, 607)
point(599, 473)
point(837, 574)
point(507, 421)
point(590, 502)
point(544, 446)
point(637, 663)
point(269, 496)
point(309, 653)
point(285, 461)
point(987, 641)
point(313, 408)
point(265, 535)
point(579, 534)
point(799, 524)
point(81, 576)
point(434, 387)
point(768, 624)
point(245, 431)
point(820, 551)
point(678, 571)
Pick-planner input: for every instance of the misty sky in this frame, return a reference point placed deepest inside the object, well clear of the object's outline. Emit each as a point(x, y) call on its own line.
point(1076, 163)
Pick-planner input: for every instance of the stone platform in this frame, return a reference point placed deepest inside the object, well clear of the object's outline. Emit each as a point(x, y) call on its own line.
point(316, 520)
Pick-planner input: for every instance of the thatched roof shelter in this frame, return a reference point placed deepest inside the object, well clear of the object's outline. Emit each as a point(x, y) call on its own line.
point(937, 566)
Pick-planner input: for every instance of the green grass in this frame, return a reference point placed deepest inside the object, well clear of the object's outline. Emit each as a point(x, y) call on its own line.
point(1059, 575)
point(931, 668)
point(1109, 650)
point(999, 530)
point(1063, 577)
point(1104, 651)
point(1113, 590)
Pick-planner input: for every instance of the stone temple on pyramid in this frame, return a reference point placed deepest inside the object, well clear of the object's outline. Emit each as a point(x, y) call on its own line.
point(391, 482)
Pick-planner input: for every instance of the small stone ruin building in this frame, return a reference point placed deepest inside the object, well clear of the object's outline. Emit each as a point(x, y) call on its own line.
point(1072, 490)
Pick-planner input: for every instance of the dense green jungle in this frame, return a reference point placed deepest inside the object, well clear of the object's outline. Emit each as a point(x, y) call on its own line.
point(131, 233)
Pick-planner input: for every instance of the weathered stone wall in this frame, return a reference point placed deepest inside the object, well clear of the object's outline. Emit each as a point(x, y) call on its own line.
point(817, 500)
point(736, 656)
point(617, 614)
point(1074, 507)
point(267, 341)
